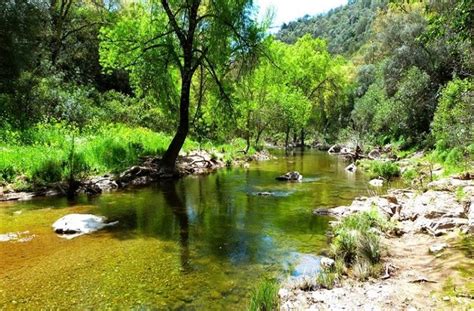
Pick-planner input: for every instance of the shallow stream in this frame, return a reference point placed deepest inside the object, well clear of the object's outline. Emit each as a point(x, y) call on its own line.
point(202, 242)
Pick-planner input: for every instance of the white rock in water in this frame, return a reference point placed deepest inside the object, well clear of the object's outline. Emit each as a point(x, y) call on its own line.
point(376, 182)
point(326, 262)
point(74, 225)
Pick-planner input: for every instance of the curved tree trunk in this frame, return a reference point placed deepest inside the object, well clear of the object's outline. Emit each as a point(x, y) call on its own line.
point(168, 162)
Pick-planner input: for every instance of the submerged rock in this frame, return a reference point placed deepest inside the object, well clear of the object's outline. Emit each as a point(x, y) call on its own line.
point(264, 194)
point(378, 182)
point(17, 237)
point(306, 266)
point(291, 176)
point(74, 225)
point(375, 154)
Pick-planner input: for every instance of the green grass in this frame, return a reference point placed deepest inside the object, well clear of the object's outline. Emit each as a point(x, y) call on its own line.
point(385, 169)
point(50, 153)
point(265, 296)
point(356, 245)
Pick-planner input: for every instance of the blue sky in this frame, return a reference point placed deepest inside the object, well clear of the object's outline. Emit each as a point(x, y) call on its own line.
point(288, 10)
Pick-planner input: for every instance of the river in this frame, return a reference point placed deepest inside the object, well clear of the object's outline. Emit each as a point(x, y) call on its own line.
point(202, 242)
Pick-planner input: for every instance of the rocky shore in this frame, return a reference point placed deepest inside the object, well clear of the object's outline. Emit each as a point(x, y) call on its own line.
point(147, 172)
point(421, 255)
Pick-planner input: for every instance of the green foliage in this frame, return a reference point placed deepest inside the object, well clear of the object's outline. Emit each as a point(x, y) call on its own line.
point(51, 170)
point(385, 169)
point(454, 117)
point(346, 28)
point(356, 244)
point(368, 247)
point(265, 296)
point(409, 175)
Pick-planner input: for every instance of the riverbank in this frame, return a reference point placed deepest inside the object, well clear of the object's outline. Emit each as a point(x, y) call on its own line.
point(197, 162)
point(428, 264)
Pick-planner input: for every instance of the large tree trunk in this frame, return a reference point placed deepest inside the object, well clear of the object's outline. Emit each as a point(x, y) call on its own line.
point(287, 138)
point(302, 138)
point(168, 162)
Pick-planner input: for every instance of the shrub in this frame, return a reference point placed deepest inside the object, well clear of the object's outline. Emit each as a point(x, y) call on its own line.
point(48, 171)
point(409, 175)
point(361, 270)
point(326, 279)
point(265, 296)
point(387, 170)
point(345, 245)
point(454, 116)
point(368, 247)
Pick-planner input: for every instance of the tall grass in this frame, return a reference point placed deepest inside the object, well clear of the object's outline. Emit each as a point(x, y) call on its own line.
point(356, 245)
point(265, 296)
point(42, 154)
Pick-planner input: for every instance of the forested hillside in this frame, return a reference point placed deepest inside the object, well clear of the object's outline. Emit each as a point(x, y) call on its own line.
point(345, 28)
point(370, 72)
point(414, 69)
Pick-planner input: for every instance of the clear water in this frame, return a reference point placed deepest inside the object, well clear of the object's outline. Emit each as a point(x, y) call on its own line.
point(197, 243)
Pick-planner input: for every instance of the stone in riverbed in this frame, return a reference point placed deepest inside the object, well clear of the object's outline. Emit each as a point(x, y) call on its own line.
point(17, 237)
point(351, 168)
point(334, 149)
point(290, 176)
point(376, 182)
point(436, 248)
point(326, 262)
point(74, 225)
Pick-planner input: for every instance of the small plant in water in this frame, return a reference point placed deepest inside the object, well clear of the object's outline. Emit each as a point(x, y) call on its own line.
point(265, 296)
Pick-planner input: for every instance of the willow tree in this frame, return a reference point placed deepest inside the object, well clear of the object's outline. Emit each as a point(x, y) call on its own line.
point(163, 43)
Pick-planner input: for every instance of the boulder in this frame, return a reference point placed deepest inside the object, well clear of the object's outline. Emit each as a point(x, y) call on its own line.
point(306, 265)
point(327, 263)
point(436, 248)
point(351, 168)
point(375, 154)
point(334, 149)
point(264, 194)
point(291, 176)
point(74, 225)
point(378, 182)
point(346, 150)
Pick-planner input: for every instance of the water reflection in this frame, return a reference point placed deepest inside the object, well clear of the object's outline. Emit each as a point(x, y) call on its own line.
point(177, 204)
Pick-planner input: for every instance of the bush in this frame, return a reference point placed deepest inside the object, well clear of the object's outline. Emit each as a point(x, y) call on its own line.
point(48, 171)
point(454, 117)
point(356, 245)
point(368, 247)
point(265, 296)
point(387, 170)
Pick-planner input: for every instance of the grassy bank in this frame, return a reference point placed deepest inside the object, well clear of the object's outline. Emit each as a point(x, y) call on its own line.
point(49, 153)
